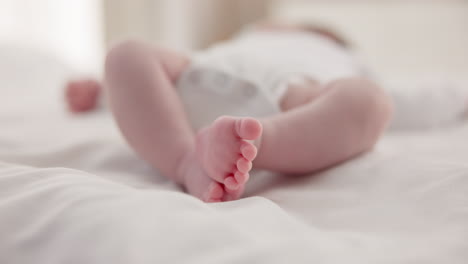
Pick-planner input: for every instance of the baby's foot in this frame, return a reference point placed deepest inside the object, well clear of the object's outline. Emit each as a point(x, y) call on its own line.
point(218, 168)
point(197, 182)
point(82, 95)
point(225, 154)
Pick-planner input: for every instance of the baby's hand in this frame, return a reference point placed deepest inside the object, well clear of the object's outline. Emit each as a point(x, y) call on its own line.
point(82, 95)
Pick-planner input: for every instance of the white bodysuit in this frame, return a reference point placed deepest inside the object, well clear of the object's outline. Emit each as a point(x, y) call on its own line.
point(248, 76)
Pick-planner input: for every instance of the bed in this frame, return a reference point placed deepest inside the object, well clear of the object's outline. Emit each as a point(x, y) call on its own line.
point(71, 191)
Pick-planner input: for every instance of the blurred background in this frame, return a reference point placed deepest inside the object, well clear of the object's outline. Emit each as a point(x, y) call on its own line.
point(393, 36)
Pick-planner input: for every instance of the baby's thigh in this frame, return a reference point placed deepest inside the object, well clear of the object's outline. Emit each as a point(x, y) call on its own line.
point(361, 102)
point(300, 92)
point(136, 58)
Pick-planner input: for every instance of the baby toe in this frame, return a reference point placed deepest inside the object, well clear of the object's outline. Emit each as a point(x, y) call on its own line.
point(248, 128)
point(231, 195)
point(241, 178)
point(215, 192)
point(231, 183)
point(248, 150)
point(244, 165)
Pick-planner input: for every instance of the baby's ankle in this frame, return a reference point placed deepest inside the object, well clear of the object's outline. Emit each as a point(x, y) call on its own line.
point(183, 166)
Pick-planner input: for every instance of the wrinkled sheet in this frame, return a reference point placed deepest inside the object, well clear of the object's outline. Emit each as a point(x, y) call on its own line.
point(71, 191)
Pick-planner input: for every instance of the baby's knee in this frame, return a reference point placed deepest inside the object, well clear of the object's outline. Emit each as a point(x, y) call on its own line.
point(133, 60)
point(367, 104)
point(125, 57)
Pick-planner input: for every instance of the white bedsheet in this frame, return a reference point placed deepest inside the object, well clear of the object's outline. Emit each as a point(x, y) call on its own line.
point(72, 192)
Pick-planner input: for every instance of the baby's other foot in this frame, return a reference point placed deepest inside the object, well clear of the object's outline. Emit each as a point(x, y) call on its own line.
point(226, 154)
point(82, 95)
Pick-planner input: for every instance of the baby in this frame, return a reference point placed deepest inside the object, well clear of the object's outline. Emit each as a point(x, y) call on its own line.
point(290, 99)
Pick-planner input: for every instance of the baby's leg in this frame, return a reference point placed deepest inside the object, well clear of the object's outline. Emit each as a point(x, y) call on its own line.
point(145, 104)
point(345, 120)
point(151, 117)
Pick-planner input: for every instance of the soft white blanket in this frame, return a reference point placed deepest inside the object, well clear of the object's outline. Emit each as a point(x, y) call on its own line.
point(72, 192)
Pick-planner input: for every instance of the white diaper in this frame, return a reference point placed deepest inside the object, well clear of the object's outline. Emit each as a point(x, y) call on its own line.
point(247, 76)
point(209, 92)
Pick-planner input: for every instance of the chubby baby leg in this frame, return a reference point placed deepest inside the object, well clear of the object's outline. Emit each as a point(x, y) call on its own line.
point(213, 163)
point(345, 120)
point(145, 104)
